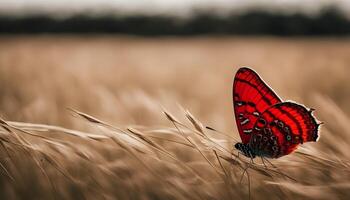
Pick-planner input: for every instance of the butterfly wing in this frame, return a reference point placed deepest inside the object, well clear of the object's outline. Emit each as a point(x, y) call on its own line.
point(282, 127)
point(251, 97)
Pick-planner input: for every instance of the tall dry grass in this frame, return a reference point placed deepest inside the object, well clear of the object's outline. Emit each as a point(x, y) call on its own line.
point(137, 142)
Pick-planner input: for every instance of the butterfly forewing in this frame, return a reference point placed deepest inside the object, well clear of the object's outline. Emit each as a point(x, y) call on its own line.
point(251, 97)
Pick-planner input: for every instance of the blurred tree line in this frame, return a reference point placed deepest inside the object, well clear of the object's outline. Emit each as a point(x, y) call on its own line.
point(330, 21)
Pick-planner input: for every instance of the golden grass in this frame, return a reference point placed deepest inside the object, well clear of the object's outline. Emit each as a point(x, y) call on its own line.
point(160, 150)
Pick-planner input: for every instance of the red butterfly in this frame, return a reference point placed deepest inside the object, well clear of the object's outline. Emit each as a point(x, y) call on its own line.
point(268, 127)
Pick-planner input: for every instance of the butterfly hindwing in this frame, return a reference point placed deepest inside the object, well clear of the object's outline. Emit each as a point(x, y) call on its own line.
point(251, 97)
point(291, 124)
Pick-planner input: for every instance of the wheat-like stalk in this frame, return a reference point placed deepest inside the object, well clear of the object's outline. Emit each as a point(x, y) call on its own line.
point(179, 161)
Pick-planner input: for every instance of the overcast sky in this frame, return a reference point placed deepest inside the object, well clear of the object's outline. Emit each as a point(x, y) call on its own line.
point(170, 7)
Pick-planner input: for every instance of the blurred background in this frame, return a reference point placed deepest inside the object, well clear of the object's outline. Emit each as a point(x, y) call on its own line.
point(177, 17)
point(99, 55)
point(123, 61)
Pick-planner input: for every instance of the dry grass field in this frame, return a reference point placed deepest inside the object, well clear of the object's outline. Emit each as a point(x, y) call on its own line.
point(101, 117)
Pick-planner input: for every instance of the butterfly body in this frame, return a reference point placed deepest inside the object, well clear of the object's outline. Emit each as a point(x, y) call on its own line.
point(268, 127)
point(263, 143)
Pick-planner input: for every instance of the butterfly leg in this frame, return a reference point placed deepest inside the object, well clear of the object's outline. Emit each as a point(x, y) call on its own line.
point(248, 176)
point(279, 172)
point(251, 160)
point(262, 159)
point(238, 155)
point(274, 166)
point(246, 169)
